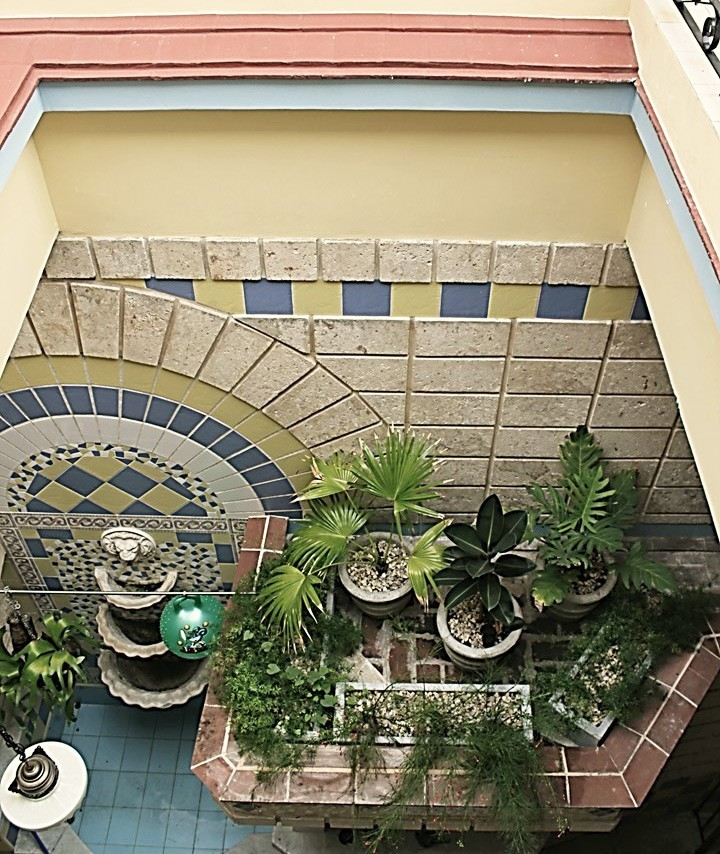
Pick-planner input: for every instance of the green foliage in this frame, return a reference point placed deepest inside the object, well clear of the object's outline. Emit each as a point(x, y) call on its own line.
point(584, 520)
point(345, 493)
point(477, 564)
point(46, 670)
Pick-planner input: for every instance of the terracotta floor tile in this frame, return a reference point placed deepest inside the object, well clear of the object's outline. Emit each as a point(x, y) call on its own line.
point(600, 790)
point(643, 770)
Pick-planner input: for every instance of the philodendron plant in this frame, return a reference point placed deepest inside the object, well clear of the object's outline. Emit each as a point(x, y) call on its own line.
point(45, 670)
point(479, 560)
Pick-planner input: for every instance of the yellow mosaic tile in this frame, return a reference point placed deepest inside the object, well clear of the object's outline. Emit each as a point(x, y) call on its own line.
point(45, 568)
point(102, 467)
point(300, 481)
point(55, 469)
point(36, 370)
point(149, 470)
point(58, 496)
point(232, 411)
point(204, 397)
point(282, 444)
point(317, 297)
point(225, 296)
point(103, 371)
point(111, 498)
point(12, 378)
point(138, 377)
point(605, 303)
point(257, 427)
point(69, 369)
point(165, 500)
point(171, 385)
point(86, 533)
point(514, 300)
point(297, 463)
point(411, 300)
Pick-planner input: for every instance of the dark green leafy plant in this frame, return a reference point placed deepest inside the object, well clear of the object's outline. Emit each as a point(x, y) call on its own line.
point(584, 519)
point(46, 670)
point(478, 560)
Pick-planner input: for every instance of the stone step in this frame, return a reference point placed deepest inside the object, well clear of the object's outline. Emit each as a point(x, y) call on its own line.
point(58, 840)
point(255, 843)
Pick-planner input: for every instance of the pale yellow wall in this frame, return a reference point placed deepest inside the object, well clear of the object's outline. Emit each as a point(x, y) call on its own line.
point(342, 174)
point(27, 230)
point(685, 328)
point(554, 8)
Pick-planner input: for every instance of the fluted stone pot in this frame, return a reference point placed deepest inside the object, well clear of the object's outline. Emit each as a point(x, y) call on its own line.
point(474, 657)
point(381, 604)
point(575, 606)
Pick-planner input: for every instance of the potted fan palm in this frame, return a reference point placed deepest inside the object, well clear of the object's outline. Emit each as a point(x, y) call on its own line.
point(584, 520)
point(478, 618)
point(347, 495)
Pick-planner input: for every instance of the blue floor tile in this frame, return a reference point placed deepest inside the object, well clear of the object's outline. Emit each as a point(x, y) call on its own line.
point(116, 721)
point(210, 832)
point(185, 751)
point(158, 791)
point(235, 833)
point(141, 722)
point(186, 793)
point(152, 828)
point(123, 826)
point(94, 825)
point(110, 753)
point(101, 788)
point(136, 756)
point(90, 720)
point(86, 745)
point(163, 756)
point(206, 800)
point(181, 829)
point(131, 789)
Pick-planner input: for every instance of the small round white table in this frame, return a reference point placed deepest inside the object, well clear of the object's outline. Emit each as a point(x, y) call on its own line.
point(55, 808)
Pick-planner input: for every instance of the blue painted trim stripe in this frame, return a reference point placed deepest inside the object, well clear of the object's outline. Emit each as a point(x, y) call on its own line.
point(19, 136)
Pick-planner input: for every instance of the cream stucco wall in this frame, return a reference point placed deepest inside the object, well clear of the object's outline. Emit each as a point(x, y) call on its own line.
point(342, 174)
point(686, 330)
point(553, 8)
point(27, 230)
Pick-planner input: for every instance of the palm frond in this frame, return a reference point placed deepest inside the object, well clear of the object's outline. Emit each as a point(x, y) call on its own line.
point(321, 539)
point(425, 561)
point(333, 476)
point(288, 599)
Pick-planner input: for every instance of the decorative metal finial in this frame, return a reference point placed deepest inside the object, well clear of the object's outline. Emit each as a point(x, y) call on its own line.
point(37, 774)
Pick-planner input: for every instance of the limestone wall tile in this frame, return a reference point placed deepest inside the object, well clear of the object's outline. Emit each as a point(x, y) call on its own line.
point(294, 260)
point(553, 376)
point(645, 469)
point(145, 322)
point(348, 444)
point(369, 373)
point(463, 261)
point(70, 258)
point(620, 269)
point(293, 331)
point(361, 335)
point(463, 471)
point(233, 260)
point(348, 260)
point(678, 473)
point(236, 350)
point(457, 499)
point(677, 500)
point(465, 410)
point(635, 411)
point(632, 444)
point(576, 264)
point(634, 339)
point(528, 442)
point(635, 377)
point(460, 375)
point(26, 344)
point(51, 316)
point(313, 393)
point(193, 332)
point(177, 258)
point(520, 263)
point(521, 472)
point(278, 369)
point(561, 339)
point(405, 260)
point(671, 518)
point(388, 405)
point(541, 410)
point(450, 337)
point(679, 447)
point(513, 498)
point(122, 257)
point(97, 308)
point(459, 441)
point(346, 416)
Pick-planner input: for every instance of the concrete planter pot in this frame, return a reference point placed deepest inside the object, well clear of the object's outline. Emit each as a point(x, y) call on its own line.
point(381, 604)
point(471, 657)
point(575, 606)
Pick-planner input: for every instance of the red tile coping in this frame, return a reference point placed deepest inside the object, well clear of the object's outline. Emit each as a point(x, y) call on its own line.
point(617, 775)
point(263, 536)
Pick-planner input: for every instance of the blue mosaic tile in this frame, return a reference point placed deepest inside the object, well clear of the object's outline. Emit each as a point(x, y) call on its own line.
point(193, 537)
point(53, 583)
point(229, 445)
point(190, 510)
point(38, 482)
point(133, 405)
point(464, 300)
point(562, 302)
point(176, 287)
point(640, 310)
point(185, 420)
point(370, 299)
point(35, 547)
point(208, 432)
point(79, 481)
point(178, 487)
point(133, 482)
point(160, 412)
point(262, 474)
point(55, 533)
point(37, 506)
point(263, 297)
point(9, 412)
point(87, 506)
point(281, 507)
point(106, 400)
point(224, 553)
point(28, 403)
point(137, 508)
point(52, 400)
point(248, 459)
point(273, 488)
point(78, 397)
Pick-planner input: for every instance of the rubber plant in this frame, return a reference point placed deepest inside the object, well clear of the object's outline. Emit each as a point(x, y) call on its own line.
point(584, 520)
point(46, 670)
point(346, 493)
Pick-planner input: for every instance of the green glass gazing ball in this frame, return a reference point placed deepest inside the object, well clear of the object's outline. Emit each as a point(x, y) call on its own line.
point(190, 625)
